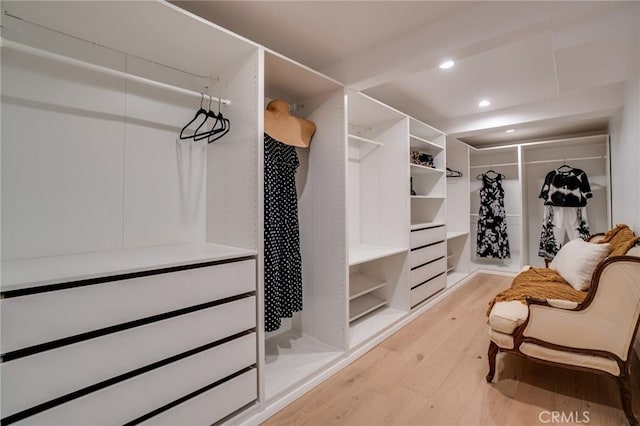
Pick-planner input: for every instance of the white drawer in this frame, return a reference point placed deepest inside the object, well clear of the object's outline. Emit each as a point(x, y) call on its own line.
point(427, 254)
point(133, 398)
point(428, 289)
point(430, 270)
point(211, 406)
point(422, 237)
point(38, 318)
point(46, 375)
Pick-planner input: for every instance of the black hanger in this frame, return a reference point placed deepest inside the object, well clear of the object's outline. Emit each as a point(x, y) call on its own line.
point(199, 113)
point(197, 136)
point(490, 171)
point(565, 166)
point(453, 173)
point(216, 133)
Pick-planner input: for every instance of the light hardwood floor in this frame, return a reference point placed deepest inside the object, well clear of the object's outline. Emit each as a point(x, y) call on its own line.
point(432, 372)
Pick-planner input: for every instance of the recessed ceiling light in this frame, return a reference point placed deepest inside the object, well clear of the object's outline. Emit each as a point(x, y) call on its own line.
point(447, 64)
point(510, 131)
point(484, 103)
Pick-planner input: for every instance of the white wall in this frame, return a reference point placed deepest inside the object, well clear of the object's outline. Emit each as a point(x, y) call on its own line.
point(624, 129)
point(625, 159)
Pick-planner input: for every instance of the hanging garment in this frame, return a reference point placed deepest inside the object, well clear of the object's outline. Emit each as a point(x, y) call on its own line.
point(565, 196)
point(492, 224)
point(566, 189)
point(282, 259)
point(558, 221)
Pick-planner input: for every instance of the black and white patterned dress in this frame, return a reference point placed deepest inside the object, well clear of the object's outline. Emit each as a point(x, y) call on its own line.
point(282, 259)
point(493, 240)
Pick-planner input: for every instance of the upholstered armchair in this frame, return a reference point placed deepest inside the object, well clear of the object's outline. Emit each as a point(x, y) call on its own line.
point(596, 335)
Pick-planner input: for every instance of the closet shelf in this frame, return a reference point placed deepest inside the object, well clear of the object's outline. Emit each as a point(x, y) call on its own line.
point(449, 269)
point(419, 143)
point(508, 214)
point(360, 284)
point(418, 169)
point(368, 326)
point(421, 225)
point(363, 305)
point(456, 234)
point(368, 252)
point(28, 273)
point(427, 197)
point(489, 166)
point(563, 160)
point(450, 256)
point(360, 139)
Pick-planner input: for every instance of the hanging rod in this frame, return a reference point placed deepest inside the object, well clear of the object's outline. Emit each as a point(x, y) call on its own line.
point(598, 157)
point(4, 43)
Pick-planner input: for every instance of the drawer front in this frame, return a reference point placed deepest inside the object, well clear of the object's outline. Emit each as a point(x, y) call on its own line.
point(34, 319)
point(427, 254)
point(428, 289)
point(428, 271)
point(422, 237)
point(211, 406)
point(133, 398)
point(46, 375)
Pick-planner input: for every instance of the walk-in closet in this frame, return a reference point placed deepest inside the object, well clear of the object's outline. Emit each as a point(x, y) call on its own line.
point(167, 259)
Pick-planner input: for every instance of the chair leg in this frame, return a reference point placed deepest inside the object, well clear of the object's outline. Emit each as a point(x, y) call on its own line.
point(493, 352)
point(624, 384)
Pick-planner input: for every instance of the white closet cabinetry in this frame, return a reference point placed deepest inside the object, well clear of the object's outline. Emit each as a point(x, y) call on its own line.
point(458, 224)
point(504, 160)
point(428, 213)
point(316, 336)
point(588, 153)
point(378, 216)
point(116, 232)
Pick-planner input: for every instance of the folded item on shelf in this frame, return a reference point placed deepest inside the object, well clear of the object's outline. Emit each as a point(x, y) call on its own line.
point(422, 159)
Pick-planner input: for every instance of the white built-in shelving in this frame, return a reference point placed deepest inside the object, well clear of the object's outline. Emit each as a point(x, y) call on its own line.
point(310, 341)
point(104, 190)
point(588, 153)
point(458, 230)
point(504, 160)
point(378, 206)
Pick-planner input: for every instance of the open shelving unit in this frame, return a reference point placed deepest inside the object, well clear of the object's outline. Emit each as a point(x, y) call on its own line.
point(315, 337)
point(458, 238)
point(588, 153)
point(378, 215)
point(505, 160)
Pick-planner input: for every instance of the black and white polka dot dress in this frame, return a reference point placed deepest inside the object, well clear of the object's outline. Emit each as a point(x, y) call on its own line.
point(282, 259)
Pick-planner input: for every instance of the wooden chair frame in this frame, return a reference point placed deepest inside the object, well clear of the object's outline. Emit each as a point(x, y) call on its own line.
point(623, 380)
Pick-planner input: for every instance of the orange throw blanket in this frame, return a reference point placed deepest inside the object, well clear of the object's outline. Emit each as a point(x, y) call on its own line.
point(542, 283)
point(621, 239)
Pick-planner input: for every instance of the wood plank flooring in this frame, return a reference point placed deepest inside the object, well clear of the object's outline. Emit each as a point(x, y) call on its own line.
point(432, 371)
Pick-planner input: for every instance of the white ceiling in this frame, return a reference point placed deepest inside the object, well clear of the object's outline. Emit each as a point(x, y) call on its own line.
point(549, 68)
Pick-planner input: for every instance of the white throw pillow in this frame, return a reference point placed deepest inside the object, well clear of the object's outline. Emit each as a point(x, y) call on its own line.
point(577, 260)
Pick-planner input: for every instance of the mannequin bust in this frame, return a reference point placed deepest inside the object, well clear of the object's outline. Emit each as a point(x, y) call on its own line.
point(286, 128)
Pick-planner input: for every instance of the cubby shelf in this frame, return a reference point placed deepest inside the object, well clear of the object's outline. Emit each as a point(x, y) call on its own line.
point(363, 305)
point(360, 284)
point(456, 234)
point(421, 225)
point(418, 169)
point(489, 166)
point(360, 139)
point(367, 252)
point(417, 142)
